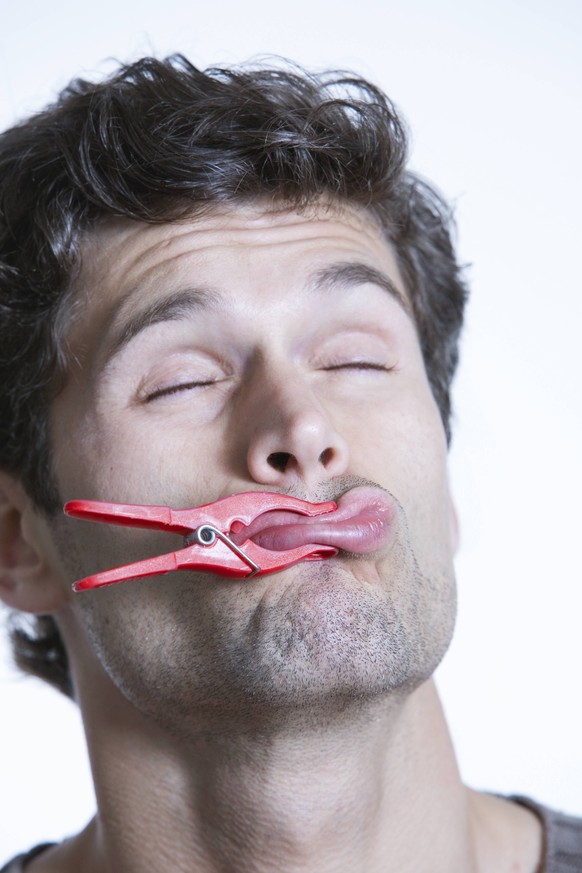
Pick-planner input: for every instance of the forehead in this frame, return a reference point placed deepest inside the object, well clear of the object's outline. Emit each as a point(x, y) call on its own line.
point(123, 249)
point(248, 250)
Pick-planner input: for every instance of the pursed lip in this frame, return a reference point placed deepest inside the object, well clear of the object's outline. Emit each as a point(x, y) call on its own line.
point(362, 523)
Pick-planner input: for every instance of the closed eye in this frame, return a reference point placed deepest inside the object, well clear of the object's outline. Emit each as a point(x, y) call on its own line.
point(176, 389)
point(359, 365)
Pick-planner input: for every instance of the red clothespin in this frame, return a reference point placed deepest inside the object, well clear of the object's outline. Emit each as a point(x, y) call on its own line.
point(208, 531)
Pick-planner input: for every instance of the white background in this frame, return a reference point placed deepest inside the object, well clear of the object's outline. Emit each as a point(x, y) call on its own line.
point(492, 94)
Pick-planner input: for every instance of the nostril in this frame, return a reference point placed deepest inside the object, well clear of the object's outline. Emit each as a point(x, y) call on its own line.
point(325, 457)
point(279, 460)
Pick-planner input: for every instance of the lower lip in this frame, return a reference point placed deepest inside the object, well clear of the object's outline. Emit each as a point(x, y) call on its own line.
point(362, 523)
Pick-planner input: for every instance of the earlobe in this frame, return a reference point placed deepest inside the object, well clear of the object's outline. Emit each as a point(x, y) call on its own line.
point(29, 577)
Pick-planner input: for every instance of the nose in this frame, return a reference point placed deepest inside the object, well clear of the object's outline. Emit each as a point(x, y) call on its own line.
point(291, 436)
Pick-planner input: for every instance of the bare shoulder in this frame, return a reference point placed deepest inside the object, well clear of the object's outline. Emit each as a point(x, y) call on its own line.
point(55, 859)
point(509, 838)
point(70, 856)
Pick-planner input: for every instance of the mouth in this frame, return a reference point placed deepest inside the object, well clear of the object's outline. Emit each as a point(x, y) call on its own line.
point(362, 523)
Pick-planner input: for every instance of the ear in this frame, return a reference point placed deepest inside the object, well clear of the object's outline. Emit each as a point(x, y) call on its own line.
point(31, 578)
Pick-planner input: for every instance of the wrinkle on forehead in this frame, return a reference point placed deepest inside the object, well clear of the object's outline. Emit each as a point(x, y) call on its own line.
point(253, 218)
point(122, 256)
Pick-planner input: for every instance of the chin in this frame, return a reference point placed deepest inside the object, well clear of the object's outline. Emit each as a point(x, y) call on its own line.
point(313, 639)
point(343, 629)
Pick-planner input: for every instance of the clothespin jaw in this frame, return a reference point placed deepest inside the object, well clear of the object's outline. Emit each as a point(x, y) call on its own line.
point(208, 531)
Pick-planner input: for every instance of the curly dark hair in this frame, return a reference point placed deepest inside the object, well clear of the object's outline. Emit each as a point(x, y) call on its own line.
point(160, 141)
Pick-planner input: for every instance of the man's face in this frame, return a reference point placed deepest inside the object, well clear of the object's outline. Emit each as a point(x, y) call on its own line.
point(253, 350)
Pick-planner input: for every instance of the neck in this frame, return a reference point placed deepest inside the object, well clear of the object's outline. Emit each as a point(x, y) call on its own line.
point(377, 789)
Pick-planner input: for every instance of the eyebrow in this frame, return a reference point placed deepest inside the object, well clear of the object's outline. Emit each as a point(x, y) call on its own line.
point(175, 307)
point(350, 275)
point(188, 301)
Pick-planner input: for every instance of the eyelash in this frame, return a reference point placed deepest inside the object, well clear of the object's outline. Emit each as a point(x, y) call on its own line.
point(176, 389)
point(360, 365)
point(186, 386)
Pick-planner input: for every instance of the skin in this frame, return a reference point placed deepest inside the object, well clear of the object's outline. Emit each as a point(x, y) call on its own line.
point(287, 722)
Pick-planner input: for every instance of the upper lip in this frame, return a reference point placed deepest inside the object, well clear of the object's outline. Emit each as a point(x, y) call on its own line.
point(368, 494)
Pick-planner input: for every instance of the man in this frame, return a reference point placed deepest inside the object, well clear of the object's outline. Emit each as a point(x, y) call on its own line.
point(213, 284)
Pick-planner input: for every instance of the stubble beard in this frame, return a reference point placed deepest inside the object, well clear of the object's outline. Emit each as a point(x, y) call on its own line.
point(329, 640)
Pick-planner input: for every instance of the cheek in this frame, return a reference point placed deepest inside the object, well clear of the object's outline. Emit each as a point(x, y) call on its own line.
point(110, 457)
point(401, 443)
point(427, 504)
point(403, 448)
